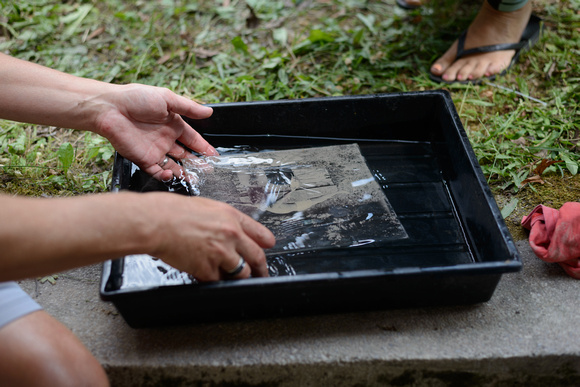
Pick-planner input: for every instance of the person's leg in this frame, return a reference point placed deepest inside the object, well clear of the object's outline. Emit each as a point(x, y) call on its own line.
point(490, 26)
point(37, 350)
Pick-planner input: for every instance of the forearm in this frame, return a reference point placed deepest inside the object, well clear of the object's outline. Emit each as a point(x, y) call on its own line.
point(40, 95)
point(196, 235)
point(44, 236)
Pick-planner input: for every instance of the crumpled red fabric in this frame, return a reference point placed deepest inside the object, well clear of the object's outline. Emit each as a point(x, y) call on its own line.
point(555, 235)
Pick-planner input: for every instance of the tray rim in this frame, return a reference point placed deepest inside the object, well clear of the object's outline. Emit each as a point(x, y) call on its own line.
point(490, 268)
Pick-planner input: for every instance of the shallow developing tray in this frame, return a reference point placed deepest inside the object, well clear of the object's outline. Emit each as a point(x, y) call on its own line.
point(454, 252)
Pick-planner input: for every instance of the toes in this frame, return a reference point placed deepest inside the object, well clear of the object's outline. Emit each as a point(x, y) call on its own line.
point(441, 64)
point(451, 73)
point(479, 71)
point(466, 70)
point(499, 65)
point(476, 66)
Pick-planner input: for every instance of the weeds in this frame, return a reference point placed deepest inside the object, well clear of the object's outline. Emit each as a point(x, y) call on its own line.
point(236, 50)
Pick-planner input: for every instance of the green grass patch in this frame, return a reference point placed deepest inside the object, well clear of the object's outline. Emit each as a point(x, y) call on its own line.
point(254, 50)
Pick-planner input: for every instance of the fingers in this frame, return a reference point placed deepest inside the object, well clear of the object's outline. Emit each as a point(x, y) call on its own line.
point(165, 169)
point(194, 141)
point(240, 270)
point(177, 151)
point(190, 138)
point(187, 167)
point(254, 238)
point(184, 106)
point(159, 173)
point(206, 238)
point(258, 238)
point(257, 232)
point(255, 257)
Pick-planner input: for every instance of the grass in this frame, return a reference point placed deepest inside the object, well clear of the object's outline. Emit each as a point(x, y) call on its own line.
point(236, 50)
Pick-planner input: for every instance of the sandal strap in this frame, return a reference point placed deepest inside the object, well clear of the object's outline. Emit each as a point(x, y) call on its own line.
point(461, 51)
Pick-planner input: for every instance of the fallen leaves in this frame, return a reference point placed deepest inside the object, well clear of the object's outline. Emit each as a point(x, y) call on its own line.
point(545, 163)
point(540, 168)
point(95, 33)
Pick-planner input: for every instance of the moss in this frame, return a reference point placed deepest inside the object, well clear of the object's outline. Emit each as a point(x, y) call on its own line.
point(555, 191)
point(28, 187)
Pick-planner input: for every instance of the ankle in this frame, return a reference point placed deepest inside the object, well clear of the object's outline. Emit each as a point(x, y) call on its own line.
point(489, 11)
point(498, 26)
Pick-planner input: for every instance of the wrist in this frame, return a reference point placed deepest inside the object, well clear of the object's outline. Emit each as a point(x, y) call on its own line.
point(148, 223)
point(92, 105)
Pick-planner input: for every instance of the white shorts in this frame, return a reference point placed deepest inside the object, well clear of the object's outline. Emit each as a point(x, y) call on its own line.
point(14, 303)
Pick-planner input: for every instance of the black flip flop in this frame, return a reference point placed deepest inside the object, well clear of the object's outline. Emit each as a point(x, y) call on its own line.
point(403, 4)
point(529, 37)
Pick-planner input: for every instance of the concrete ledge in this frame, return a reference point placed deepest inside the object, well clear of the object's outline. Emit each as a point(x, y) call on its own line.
point(527, 334)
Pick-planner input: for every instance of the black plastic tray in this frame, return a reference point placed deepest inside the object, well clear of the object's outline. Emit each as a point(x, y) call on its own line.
point(418, 151)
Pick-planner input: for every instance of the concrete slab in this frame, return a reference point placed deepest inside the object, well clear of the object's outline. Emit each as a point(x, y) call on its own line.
point(527, 334)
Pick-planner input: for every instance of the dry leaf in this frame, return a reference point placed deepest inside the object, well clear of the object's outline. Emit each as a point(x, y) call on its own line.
point(164, 59)
point(533, 179)
point(520, 141)
point(551, 70)
point(50, 278)
point(96, 33)
point(203, 53)
point(545, 163)
point(488, 94)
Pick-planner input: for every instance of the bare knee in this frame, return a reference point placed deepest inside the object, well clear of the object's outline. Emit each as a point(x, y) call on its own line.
point(71, 366)
point(38, 350)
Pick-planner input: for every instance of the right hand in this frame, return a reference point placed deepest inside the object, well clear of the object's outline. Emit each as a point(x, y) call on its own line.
point(144, 124)
point(206, 238)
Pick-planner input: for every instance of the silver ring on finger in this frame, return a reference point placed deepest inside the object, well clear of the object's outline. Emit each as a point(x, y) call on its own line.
point(164, 162)
point(238, 269)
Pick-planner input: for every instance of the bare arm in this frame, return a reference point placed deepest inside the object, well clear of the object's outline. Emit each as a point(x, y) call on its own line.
point(142, 122)
point(196, 235)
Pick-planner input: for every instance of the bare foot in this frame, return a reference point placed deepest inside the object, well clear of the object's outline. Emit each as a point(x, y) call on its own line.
point(489, 27)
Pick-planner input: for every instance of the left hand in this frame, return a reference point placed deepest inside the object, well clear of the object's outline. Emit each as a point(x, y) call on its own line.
point(144, 123)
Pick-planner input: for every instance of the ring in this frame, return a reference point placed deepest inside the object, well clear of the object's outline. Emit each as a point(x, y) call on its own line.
point(164, 162)
point(238, 269)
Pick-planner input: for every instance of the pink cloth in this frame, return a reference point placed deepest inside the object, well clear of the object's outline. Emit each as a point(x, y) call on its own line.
point(555, 235)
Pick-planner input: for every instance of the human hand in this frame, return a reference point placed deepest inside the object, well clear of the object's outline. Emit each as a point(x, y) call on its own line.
point(204, 237)
point(143, 123)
